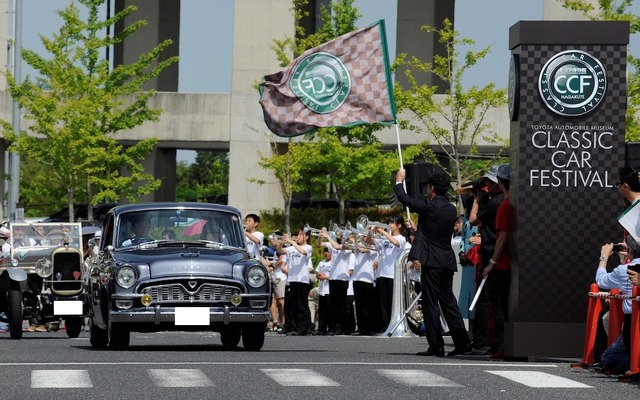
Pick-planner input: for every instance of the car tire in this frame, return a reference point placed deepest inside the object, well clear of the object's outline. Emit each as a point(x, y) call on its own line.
point(99, 338)
point(253, 336)
point(230, 337)
point(73, 327)
point(15, 313)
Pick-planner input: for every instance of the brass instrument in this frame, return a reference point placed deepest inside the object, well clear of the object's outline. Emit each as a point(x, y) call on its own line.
point(364, 222)
point(312, 231)
point(273, 237)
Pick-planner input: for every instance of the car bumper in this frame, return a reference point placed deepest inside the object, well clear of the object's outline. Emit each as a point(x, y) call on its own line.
point(164, 314)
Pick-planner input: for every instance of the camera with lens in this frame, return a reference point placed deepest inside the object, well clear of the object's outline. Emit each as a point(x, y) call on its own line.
point(617, 248)
point(476, 185)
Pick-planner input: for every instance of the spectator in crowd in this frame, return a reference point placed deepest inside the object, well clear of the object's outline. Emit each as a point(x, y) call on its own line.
point(634, 275)
point(498, 271)
point(616, 358)
point(298, 255)
point(254, 238)
point(483, 214)
point(469, 238)
point(433, 255)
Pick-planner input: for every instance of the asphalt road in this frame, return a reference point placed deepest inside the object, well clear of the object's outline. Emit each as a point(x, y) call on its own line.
point(183, 366)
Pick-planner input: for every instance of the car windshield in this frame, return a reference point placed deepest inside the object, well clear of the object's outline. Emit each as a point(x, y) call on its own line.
point(135, 228)
point(45, 235)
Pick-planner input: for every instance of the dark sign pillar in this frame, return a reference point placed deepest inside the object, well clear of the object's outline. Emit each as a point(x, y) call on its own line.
point(567, 99)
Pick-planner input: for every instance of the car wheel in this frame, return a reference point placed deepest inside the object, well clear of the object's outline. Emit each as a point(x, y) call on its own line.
point(73, 326)
point(99, 338)
point(118, 336)
point(253, 336)
point(230, 337)
point(15, 313)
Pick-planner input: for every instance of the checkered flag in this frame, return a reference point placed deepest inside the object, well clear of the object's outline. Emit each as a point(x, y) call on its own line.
point(340, 83)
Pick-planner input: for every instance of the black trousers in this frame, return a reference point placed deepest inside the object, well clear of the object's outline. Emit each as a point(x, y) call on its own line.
point(385, 292)
point(338, 306)
point(300, 307)
point(363, 293)
point(437, 294)
point(323, 311)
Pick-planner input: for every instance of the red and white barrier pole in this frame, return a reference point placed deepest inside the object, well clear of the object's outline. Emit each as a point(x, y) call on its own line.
point(593, 312)
point(616, 316)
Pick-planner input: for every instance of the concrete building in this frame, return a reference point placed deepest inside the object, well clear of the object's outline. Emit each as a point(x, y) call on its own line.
point(233, 121)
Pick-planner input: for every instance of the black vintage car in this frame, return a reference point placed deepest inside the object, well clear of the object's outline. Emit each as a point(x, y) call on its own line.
point(179, 267)
point(42, 280)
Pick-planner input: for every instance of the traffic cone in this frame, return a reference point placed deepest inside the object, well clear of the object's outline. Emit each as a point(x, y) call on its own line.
point(616, 317)
point(593, 312)
point(634, 355)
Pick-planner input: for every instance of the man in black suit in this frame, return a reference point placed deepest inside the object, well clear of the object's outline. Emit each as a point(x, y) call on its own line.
point(432, 253)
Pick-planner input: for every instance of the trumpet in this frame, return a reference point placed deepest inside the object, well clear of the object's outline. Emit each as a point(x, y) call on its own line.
point(365, 223)
point(341, 233)
point(312, 231)
point(274, 237)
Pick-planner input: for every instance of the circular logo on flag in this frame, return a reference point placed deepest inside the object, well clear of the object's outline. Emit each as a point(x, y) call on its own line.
point(321, 82)
point(572, 83)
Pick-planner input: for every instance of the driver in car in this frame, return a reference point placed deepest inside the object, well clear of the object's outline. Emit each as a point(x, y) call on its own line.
point(140, 226)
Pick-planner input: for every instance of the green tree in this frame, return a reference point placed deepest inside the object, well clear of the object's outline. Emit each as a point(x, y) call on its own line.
point(612, 10)
point(352, 170)
point(455, 119)
point(287, 165)
point(74, 122)
point(206, 178)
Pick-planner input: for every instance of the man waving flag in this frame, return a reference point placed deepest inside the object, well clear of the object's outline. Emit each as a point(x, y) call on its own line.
point(343, 82)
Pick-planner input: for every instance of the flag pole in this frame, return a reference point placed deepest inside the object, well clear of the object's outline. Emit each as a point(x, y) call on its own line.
point(404, 184)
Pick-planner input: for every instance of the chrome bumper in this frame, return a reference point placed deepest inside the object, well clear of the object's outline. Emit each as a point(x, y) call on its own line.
point(159, 314)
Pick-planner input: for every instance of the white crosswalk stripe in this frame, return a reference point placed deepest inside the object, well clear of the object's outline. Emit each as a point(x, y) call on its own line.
point(299, 377)
point(61, 378)
point(537, 379)
point(179, 378)
point(419, 378)
point(65, 378)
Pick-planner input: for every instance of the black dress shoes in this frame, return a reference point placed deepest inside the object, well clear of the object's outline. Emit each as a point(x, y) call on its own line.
point(431, 352)
point(457, 352)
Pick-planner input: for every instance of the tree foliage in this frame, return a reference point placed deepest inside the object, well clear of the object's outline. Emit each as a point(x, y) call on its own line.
point(73, 123)
point(618, 10)
point(456, 119)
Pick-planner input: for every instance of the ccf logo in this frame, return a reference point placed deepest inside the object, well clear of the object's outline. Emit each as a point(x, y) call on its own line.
point(572, 83)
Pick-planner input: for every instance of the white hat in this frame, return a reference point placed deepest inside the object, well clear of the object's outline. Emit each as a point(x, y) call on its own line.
point(98, 234)
point(492, 174)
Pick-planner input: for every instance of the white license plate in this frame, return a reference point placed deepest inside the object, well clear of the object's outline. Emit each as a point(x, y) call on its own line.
point(71, 307)
point(192, 315)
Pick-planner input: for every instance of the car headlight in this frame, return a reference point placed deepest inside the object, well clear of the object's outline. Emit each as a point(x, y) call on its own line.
point(44, 267)
point(126, 276)
point(256, 276)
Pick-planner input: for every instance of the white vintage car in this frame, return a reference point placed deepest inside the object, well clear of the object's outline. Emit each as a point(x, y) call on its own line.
point(42, 280)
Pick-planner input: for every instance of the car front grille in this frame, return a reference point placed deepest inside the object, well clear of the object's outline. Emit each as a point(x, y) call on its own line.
point(202, 293)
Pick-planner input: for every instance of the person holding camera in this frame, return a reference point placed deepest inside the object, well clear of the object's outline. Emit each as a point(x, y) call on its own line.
point(483, 214)
point(616, 358)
